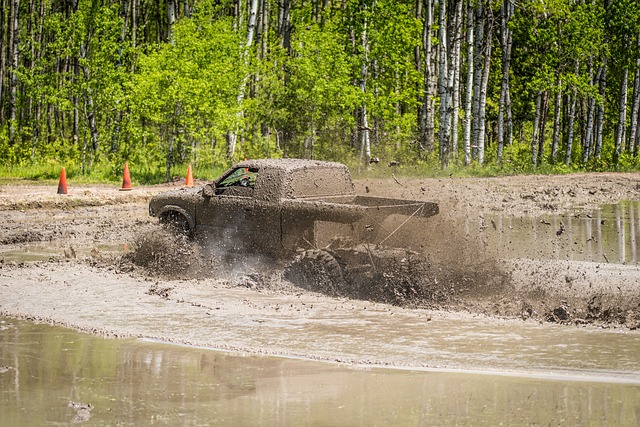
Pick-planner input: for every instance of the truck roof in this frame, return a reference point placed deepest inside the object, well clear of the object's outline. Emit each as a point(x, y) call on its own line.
point(289, 165)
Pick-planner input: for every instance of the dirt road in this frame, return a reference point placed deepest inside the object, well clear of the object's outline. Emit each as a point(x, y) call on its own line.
point(68, 260)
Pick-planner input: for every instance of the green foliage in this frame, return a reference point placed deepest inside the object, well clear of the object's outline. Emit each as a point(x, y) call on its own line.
point(185, 91)
point(162, 97)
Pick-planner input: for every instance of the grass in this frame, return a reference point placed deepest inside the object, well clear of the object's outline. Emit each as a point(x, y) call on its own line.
point(456, 170)
point(102, 174)
point(155, 173)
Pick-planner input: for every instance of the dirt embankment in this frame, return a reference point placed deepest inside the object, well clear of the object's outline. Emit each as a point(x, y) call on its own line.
point(98, 228)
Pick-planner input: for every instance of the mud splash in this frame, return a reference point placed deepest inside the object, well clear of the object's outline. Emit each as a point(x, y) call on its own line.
point(393, 276)
point(400, 277)
point(443, 267)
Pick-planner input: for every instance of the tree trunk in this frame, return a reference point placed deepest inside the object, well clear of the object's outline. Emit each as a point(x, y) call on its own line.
point(171, 18)
point(417, 51)
point(588, 139)
point(477, 78)
point(284, 24)
point(635, 110)
point(572, 118)
point(543, 125)
point(426, 120)
point(506, 14)
point(134, 27)
point(15, 62)
point(232, 136)
point(264, 37)
point(115, 133)
point(600, 110)
point(455, 76)
point(469, 91)
point(309, 143)
point(84, 142)
point(30, 64)
point(251, 28)
point(557, 119)
point(365, 147)
point(90, 108)
point(536, 122)
point(443, 85)
point(635, 106)
point(622, 116)
point(509, 116)
point(169, 163)
point(3, 59)
point(483, 95)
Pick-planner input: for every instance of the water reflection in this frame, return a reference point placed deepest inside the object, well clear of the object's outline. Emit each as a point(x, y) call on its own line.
point(129, 382)
point(609, 234)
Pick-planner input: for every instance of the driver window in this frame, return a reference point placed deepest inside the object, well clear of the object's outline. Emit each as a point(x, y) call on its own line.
point(240, 182)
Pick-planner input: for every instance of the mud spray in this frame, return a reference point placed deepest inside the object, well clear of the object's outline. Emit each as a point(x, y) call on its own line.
point(434, 264)
point(432, 269)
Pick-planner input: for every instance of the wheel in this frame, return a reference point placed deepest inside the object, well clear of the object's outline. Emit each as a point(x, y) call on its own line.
point(176, 222)
point(316, 270)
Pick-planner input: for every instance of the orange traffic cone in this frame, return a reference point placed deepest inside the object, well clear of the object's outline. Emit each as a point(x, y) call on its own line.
point(62, 184)
point(126, 179)
point(189, 182)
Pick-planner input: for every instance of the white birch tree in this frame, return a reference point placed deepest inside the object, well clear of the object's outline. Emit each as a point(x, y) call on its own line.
point(484, 84)
point(506, 37)
point(455, 77)
point(469, 86)
point(232, 136)
point(14, 43)
point(443, 86)
point(426, 117)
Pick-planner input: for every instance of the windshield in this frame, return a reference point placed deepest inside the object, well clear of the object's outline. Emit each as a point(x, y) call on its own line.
point(238, 178)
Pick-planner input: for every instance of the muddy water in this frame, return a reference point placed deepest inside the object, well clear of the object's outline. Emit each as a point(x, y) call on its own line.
point(44, 370)
point(610, 234)
point(474, 372)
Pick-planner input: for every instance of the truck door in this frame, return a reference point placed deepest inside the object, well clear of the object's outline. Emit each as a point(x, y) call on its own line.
point(229, 217)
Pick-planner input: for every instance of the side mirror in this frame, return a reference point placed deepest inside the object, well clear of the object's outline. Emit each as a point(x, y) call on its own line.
point(209, 190)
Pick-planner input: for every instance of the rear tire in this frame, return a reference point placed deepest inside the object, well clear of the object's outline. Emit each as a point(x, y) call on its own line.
point(316, 270)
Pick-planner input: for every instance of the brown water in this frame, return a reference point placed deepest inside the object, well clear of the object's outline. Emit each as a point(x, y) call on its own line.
point(134, 382)
point(462, 371)
point(610, 233)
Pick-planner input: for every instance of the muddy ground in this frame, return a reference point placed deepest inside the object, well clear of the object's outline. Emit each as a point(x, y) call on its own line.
point(95, 261)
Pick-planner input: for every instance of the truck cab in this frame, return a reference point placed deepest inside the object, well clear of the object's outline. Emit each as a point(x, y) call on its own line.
point(276, 205)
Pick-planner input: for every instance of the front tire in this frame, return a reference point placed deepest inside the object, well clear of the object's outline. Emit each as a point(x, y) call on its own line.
point(176, 222)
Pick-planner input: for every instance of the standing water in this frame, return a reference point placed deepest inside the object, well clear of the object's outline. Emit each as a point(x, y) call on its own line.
point(52, 375)
point(609, 234)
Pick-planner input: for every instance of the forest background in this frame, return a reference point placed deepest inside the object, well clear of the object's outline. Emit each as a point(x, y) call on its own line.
point(429, 87)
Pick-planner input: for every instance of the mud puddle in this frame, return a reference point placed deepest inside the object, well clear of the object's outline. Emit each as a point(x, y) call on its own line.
point(60, 249)
point(608, 234)
point(52, 375)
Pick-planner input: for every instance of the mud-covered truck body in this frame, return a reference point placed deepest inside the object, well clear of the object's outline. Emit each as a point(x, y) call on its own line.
point(277, 205)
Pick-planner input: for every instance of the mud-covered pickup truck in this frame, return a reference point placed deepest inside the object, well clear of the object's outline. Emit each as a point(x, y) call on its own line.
point(276, 205)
